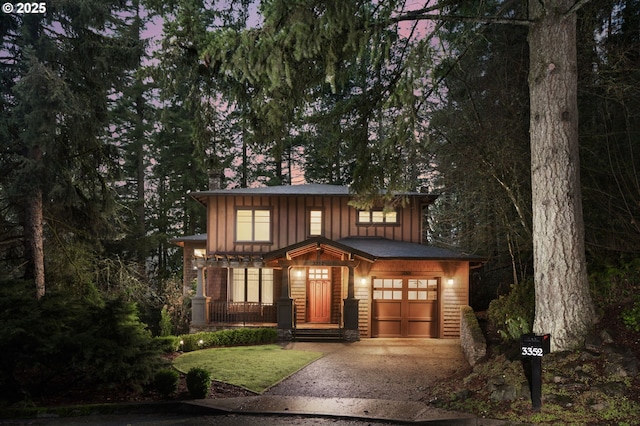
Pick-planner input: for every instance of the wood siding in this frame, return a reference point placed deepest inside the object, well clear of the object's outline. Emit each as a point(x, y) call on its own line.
point(289, 221)
point(451, 296)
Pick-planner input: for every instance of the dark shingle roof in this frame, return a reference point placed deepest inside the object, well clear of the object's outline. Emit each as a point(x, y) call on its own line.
point(198, 238)
point(383, 248)
point(294, 190)
point(306, 189)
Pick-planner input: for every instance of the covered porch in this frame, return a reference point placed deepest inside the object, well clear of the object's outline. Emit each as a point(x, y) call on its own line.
point(307, 286)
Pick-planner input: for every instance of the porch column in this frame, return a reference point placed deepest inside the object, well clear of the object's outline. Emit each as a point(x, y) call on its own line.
point(285, 308)
point(351, 328)
point(199, 311)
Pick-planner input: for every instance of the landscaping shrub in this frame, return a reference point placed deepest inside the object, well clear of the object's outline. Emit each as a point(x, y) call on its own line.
point(166, 381)
point(512, 314)
point(614, 282)
point(165, 322)
point(168, 344)
point(234, 337)
point(198, 382)
point(631, 316)
point(67, 338)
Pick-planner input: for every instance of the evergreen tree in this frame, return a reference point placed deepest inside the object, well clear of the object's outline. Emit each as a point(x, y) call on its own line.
point(609, 96)
point(60, 69)
point(302, 41)
point(480, 140)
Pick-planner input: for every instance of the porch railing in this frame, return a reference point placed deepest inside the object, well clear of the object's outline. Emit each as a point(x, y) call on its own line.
point(242, 312)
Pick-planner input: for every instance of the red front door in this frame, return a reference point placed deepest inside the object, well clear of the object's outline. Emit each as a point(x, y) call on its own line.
point(319, 296)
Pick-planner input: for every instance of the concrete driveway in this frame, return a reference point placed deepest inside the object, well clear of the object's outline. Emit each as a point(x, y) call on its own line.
point(391, 369)
point(384, 380)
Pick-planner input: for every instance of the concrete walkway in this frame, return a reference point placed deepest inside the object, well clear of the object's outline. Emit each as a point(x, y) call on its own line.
point(375, 379)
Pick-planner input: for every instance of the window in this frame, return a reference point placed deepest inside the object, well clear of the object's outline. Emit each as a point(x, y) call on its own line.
point(252, 285)
point(315, 222)
point(318, 274)
point(411, 289)
point(387, 288)
point(377, 217)
point(253, 225)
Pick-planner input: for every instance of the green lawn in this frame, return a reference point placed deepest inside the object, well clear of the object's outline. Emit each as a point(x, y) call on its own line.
point(256, 368)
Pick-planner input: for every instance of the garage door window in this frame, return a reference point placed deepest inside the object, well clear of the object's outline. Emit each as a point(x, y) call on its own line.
point(387, 289)
point(423, 289)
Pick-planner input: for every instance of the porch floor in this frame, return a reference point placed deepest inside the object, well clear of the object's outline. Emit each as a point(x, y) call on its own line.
point(316, 326)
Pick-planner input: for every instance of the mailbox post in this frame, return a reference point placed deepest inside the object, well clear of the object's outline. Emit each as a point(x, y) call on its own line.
point(534, 346)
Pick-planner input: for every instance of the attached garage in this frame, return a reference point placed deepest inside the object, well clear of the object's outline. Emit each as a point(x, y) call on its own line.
point(411, 290)
point(405, 307)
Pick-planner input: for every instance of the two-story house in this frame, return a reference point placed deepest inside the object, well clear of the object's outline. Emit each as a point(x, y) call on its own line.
point(301, 256)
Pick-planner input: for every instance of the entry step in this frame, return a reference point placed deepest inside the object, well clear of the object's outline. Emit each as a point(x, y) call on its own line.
point(318, 334)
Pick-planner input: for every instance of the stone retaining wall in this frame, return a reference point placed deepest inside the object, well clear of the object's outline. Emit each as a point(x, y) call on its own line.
point(474, 345)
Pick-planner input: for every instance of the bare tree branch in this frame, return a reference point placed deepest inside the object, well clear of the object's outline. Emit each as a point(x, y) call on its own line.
point(576, 6)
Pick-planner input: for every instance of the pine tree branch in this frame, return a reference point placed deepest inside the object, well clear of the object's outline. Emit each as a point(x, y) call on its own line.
point(409, 16)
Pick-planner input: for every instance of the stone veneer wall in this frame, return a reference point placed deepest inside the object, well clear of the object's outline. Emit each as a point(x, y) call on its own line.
point(474, 345)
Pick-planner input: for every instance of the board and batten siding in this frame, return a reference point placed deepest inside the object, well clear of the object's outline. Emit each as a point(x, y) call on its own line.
point(289, 221)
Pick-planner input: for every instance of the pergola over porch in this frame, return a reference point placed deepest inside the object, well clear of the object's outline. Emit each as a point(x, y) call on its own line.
point(303, 272)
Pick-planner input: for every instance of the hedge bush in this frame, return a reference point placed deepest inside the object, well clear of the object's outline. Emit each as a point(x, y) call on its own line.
point(233, 337)
point(198, 382)
point(168, 344)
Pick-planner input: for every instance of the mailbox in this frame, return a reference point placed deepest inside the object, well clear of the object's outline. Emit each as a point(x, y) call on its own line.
point(532, 348)
point(535, 345)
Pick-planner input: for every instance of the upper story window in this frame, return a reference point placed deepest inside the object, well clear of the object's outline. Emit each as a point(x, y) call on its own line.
point(253, 225)
point(377, 217)
point(315, 222)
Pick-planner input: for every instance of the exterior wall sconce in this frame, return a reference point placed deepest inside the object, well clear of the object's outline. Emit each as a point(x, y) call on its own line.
point(363, 281)
point(199, 258)
point(450, 282)
point(299, 273)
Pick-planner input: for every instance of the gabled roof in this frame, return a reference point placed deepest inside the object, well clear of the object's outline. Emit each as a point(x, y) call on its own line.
point(197, 238)
point(383, 248)
point(374, 248)
point(293, 190)
point(314, 242)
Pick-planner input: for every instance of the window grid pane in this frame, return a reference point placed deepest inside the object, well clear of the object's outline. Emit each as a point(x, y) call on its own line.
point(237, 291)
point(262, 220)
point(253, 285)
point(377, 216)
point(244, 228)
point(267, 286)
point(364, 216)
point(315, 222)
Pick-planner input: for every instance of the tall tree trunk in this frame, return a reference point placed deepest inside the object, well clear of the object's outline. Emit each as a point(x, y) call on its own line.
point(34, 233)
point(564, 307)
